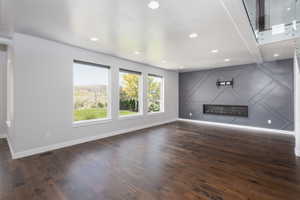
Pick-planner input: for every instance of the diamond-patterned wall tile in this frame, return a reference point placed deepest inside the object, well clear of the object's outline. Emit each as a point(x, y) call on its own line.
point(190, 108)
point(218, 118)
point(267, 89)
point(277, 101)
point(250, 82)
point(280, 71)
point(261, 116)
point(263, 93)
point(209, 86)
point(229, 73)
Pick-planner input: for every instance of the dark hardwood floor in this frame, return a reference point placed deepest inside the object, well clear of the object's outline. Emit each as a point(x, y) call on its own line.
point(178, 161)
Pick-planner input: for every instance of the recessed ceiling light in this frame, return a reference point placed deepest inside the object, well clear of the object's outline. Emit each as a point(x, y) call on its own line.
point(137, 53)
point(193, 35)
point(227, 60)
point(276, 55)
point(94, 39)
point(153, 5)
point(288, 9)
point(215, 51)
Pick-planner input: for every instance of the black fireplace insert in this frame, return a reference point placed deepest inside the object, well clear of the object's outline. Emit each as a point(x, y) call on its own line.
point(228, 110)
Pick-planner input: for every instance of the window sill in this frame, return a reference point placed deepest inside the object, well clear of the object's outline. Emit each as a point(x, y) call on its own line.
point(155, 113)
point(91, 122)
point(130, 116)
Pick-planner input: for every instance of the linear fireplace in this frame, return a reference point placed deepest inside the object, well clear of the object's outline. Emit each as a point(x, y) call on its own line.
point(228, 110)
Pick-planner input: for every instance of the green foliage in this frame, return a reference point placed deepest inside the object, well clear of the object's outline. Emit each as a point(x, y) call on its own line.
point(88, 114)
point(154, 107)
point(78, 104)
point(129, 92)
point(126, 112)
point(93, 96)
point(154, 94)
point(101, 105)
point(91, 101)
point(96, 113)
point(132, 105)
point(130, 86)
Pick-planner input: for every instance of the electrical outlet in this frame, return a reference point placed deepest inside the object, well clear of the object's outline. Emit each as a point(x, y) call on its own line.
point(269, 121)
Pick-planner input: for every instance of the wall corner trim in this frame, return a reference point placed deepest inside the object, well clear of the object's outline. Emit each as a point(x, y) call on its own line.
point(11, 149)
point(241, 127)
point(297, 152)
point(39, 150)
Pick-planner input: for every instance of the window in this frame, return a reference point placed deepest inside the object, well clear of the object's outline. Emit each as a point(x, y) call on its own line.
point(130, 92)
point(155, 94)
point(91, 92)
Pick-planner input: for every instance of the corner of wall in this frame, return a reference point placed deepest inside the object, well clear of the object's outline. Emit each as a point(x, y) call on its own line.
point(296, 100)
point(11, 148)
point(3, 131)
point(297, 152)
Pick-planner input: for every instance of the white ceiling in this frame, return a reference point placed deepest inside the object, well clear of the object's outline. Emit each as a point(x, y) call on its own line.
point(124, 27)
point(284, 49)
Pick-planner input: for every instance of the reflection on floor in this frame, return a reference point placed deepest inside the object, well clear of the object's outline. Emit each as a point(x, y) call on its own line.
point(176, 161)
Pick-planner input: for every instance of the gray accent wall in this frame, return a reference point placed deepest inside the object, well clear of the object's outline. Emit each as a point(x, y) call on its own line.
point(267, 89)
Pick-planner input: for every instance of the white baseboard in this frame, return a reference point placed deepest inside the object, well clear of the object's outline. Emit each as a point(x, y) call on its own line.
point(39, 150)
point(248, 128)
point(12, 152)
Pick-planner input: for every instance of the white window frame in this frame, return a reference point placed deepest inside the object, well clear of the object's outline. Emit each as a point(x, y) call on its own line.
point(141, 94)
point(108, 118)
point(162, 95)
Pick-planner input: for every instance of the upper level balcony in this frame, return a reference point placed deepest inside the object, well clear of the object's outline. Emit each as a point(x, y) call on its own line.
point(274, 20)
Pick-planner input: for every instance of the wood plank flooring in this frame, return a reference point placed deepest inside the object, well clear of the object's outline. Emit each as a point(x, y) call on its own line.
point(177, 161)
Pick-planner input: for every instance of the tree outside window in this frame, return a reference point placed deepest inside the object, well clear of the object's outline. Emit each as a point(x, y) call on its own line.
point(155, 91)
point(129, 93)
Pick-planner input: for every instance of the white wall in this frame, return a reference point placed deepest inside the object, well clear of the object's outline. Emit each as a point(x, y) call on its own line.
point(3, 62)
point(43, 98)
point(297, 102)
